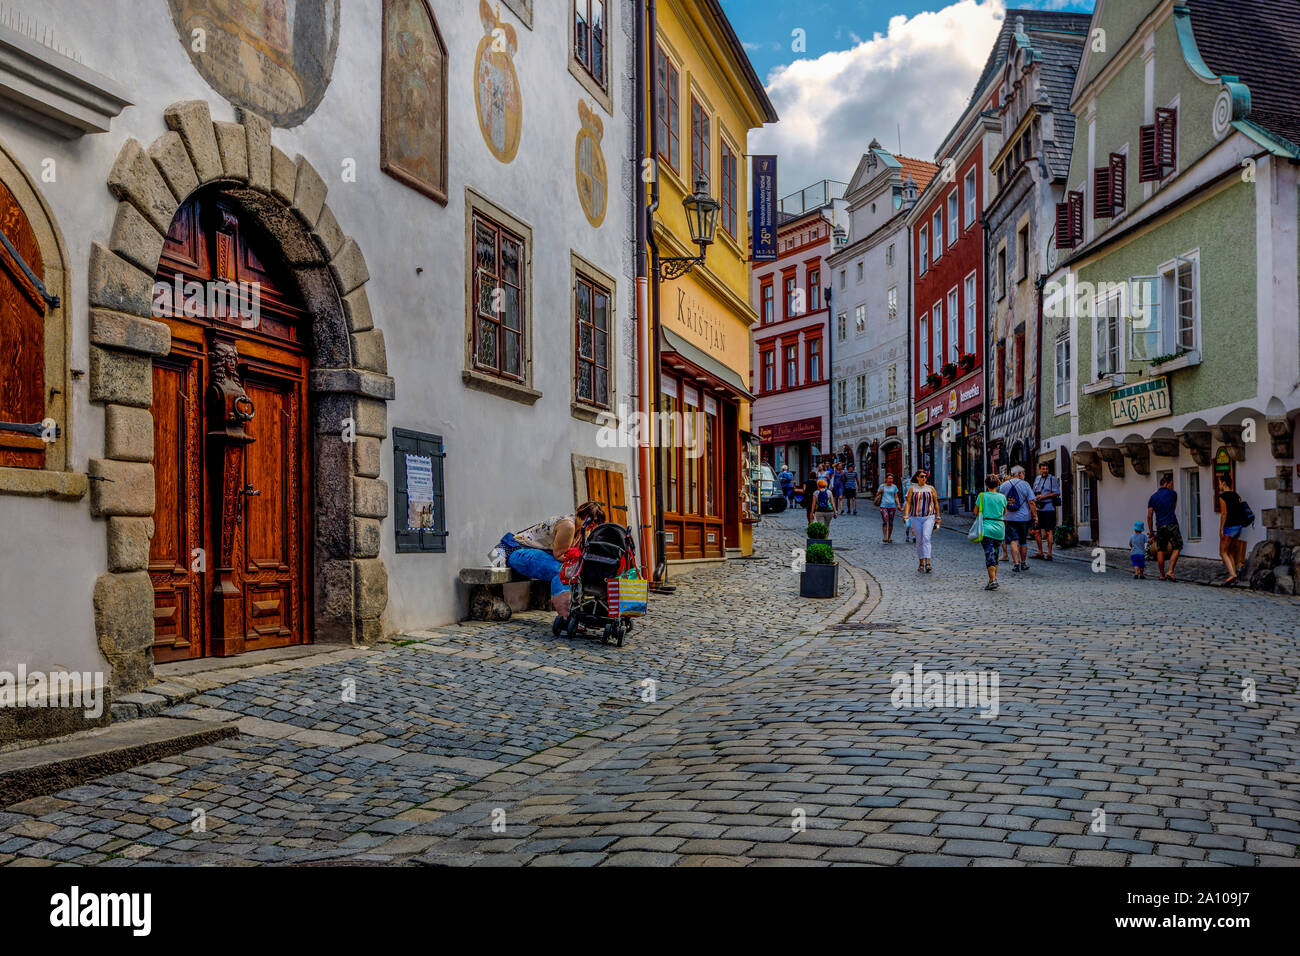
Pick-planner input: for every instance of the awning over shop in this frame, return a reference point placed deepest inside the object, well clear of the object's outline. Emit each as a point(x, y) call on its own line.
point(707, 367)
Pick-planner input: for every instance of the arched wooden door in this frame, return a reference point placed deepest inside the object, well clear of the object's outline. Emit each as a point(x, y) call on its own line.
point(229, 558)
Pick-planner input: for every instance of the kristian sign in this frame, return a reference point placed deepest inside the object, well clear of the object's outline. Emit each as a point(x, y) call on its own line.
point(1136, 403)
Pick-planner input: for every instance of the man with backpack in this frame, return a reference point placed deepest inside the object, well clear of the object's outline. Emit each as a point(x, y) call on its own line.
point(1047, 495)
point(1021, 510)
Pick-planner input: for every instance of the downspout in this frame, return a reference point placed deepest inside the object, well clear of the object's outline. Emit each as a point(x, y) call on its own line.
point(643, 399)
point(660, 572)
point(830, 365)
point(984, 338)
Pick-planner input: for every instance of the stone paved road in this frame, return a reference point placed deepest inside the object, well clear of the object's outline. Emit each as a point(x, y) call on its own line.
point(1114, 695)
point(316, 775)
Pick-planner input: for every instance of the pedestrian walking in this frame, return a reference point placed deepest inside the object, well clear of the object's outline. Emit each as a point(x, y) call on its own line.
point(810, 493)
point(786, 480)
point(1047, 496)
point(850, 490)
point(825, 506)
point(991, 507)
point(837, 486)
point(1137, 546)
point(887, 501)
point(1021, 512)
point(1162, 520)
point(1234, 516)
point(922, 505)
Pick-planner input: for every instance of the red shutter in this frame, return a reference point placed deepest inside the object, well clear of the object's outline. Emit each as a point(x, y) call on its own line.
point(1064, 237)
point(1167, 140)
point(1118, 183)
point(1076, 217)
point(1148, 169)
point(1101, 200)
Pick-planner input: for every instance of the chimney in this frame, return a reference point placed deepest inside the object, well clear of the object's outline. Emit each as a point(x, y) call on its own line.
point(1020, 24)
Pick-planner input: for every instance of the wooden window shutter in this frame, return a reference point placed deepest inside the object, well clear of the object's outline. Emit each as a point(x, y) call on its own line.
point(598, 487)
point(1064, 236)
point(1118, 183)
point(1076, 218)
point(1101, 201)
point(1166, 140)
point(606, 489)
point(22, 330)
point(1148, 168)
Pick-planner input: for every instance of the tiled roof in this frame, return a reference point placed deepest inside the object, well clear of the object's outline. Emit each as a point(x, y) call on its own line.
point(1057, 69)
point(918, 169)
point(1036, 21)
point(1258, 41)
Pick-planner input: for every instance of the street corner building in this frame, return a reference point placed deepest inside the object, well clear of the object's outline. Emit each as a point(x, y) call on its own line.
point(869, 282)
point(704, 100)
point(305, 305)
point(791, 342)
point(1171, 328)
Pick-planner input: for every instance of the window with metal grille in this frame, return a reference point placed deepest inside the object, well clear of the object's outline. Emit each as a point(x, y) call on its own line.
point(591, 304)
point(499, 299)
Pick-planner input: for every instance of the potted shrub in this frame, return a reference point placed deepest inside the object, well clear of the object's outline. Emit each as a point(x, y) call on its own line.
point(818, 533)
point(949, 370)
point(933, 380)
point(820, 577)
point(967, 361)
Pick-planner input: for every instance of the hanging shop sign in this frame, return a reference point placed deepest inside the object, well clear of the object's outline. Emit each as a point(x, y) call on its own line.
point(805, 428)
point(1139, 402)
point(419, 495)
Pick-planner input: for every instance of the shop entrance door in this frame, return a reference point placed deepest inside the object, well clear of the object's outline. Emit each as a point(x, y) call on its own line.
point(229, 557)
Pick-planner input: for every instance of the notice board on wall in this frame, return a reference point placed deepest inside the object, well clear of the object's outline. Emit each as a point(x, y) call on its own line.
point(419, 493)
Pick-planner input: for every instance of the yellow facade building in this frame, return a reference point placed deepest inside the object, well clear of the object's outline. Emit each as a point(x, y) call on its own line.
point(704, 98)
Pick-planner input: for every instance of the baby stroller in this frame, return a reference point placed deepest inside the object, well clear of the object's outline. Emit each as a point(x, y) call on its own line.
point(607, 553)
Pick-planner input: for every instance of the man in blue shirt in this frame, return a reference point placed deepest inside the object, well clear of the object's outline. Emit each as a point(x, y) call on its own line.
point(1021, 510)
point(1047, 492)
point(1162, 519)
point(786, 480)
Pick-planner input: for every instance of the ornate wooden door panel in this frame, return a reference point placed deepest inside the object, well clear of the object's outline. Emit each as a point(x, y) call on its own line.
point(22, 320)
point(271, 532)
point(178, 509)
point(233, 486)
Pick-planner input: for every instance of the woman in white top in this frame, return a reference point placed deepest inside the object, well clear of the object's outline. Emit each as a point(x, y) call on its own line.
point(538, 551)
point(922, 504)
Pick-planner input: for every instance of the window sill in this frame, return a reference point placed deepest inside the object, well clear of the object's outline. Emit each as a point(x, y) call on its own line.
point(1186, 360)
point(590, 413)
point(514, 391)
point(1103, 385)
point(588, 82)
point(37, 483)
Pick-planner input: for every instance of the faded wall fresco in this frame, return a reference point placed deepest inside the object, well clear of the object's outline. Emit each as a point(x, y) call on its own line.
point(274, 57)
point(413, 135)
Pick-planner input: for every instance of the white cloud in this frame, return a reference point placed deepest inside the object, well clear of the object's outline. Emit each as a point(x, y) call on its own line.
point(920, 73)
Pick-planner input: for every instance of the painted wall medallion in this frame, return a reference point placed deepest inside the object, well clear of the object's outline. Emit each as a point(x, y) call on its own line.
point(496, 86)
point(589, 161)
point(413, 126)
point(274, 57)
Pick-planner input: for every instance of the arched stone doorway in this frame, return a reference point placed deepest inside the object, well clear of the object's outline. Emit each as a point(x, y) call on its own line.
point(347, 380)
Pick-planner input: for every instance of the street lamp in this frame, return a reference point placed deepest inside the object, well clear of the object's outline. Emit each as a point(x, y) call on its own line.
point(702, 220)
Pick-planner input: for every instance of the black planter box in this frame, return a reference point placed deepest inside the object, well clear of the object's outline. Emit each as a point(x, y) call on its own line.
point(819, 541)
point(819, 580)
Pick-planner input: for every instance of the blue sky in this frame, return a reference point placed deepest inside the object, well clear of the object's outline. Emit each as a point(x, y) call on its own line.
point(900, 71)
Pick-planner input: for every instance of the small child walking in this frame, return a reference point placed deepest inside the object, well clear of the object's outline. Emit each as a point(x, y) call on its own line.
point(1138, 549)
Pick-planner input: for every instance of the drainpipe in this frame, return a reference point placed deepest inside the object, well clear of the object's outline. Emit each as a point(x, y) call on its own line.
point(830, 365)
point(643, 398)
point(660, 571)
point(984, 336)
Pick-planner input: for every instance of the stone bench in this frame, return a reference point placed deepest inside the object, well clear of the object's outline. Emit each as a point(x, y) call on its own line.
point(488, 600)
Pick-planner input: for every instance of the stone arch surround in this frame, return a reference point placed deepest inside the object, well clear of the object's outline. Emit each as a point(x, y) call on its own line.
point(348, 378)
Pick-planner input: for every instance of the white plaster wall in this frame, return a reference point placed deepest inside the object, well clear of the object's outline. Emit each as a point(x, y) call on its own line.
point(507, 464)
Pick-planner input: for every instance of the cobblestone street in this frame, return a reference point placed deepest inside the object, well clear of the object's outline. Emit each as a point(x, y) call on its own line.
point(772, 738)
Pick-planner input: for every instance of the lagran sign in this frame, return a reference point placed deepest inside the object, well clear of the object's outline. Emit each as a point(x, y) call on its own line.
point(1137, 403)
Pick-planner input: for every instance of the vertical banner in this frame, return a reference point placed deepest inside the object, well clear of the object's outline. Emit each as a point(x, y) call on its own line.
point(763, 176)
